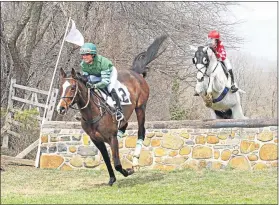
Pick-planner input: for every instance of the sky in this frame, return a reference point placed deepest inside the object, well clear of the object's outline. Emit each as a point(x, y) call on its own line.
point(259, 29)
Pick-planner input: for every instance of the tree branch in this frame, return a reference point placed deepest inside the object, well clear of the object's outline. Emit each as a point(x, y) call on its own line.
point(45, 25)
point(32, 31)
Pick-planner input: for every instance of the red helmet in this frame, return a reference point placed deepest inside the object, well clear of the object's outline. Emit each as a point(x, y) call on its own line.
point(214, 34)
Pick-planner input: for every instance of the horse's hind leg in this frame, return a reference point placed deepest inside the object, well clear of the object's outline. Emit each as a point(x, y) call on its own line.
point(213, 115)
point(140, 111)
point(116, 159)
point(102, 147)
point(237, 112)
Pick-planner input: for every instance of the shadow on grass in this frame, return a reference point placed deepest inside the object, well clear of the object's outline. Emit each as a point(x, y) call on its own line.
point(133, 180)
point(140, 178)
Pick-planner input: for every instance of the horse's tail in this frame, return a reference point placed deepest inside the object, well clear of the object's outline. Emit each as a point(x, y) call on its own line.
point(144, 58)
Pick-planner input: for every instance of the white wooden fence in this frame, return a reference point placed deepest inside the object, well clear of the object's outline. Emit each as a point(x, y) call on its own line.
point(32, 101)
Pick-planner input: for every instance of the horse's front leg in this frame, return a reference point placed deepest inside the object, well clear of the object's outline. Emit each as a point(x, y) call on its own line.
point(209, 98)
point(115, 153)
point(102, 147)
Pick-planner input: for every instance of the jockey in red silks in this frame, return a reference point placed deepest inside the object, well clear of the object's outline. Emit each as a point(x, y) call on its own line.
point(217, 45)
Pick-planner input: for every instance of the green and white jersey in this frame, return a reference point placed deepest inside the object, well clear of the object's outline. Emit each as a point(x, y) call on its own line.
point(101, 67)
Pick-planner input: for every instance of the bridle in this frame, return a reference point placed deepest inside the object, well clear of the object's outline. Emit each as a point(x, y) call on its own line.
point(100, 104)
point(203, 73)
point(205, 64)
point(74, 96)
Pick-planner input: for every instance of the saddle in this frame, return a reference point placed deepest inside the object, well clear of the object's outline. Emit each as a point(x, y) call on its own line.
point(122, 92)
point(120, 88)
point(103, 96)
point(105, 91)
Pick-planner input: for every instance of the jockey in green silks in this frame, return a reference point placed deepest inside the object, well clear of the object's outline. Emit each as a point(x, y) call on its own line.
point(100, 73)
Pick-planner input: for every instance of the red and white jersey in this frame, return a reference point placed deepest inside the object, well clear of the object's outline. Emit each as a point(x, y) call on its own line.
point(220, 51)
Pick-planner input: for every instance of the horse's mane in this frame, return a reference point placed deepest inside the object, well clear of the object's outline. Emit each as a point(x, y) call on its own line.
point(144, 58)
point(81, 78)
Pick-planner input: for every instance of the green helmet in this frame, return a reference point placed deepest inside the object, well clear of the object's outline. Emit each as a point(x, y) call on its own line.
point(88, 48)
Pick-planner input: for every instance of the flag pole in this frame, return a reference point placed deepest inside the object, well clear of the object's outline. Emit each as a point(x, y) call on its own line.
point(49, 92)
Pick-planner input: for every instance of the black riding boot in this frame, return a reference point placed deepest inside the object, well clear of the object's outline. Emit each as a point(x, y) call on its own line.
point(233, 87)
point(119, 112)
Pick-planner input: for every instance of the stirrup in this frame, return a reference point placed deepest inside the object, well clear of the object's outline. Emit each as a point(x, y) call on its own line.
point(234, 89)
point(119, 115)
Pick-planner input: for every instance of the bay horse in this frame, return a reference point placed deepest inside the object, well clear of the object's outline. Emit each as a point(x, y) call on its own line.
point(213, 85)
point(98, 121)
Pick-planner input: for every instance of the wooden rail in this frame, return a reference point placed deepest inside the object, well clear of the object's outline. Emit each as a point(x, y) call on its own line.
point(10, 122)
point(14, 160)
point(28, 101)
point(31, 89)
point(249, 123)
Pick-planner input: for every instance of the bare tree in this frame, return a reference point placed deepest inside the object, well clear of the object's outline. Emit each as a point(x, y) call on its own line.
point(32, 32)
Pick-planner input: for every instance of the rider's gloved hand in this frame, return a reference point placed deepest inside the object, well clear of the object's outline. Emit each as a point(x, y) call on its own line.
point(84, 78)
point(91, 85)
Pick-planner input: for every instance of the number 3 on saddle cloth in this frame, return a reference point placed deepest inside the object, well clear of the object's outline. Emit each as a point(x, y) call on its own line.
point(121, 90)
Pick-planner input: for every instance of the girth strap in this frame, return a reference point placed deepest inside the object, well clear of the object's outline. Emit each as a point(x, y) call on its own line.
point(223, 94)
point(94, 120)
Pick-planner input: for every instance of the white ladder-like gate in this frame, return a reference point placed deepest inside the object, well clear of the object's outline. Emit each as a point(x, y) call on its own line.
point(32, 101)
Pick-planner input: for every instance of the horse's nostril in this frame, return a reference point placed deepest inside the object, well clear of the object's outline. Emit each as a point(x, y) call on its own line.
point(201, 79)
point(61, 110)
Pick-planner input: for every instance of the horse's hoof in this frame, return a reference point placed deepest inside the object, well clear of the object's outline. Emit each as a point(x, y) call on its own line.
point(111, 181)
point(125, 172)
point(209, 97)
point(136, 168)
point(208, 100)
point(130, 171)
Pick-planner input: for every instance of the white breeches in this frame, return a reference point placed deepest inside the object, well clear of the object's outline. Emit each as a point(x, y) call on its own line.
point(113, 79)
point(228, 64)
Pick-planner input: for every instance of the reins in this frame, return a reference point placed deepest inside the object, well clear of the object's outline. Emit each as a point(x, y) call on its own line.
point(73, 97)
point(199, 70)
point(205, 74)
point(100, 104)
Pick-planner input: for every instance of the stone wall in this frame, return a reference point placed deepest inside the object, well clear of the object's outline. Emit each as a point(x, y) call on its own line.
point(66, 146)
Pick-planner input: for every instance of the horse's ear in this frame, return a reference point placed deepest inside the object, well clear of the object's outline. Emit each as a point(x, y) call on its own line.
point(62, 73)
point(73, 73)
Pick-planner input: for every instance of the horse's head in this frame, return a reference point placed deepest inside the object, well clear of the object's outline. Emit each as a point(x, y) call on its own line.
point(202, 59)
point(70, 88)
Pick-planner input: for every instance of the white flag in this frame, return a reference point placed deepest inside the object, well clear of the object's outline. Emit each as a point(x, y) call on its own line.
point(74, 36)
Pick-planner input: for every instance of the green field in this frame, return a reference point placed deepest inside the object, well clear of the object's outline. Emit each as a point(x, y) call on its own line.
point(27, 185)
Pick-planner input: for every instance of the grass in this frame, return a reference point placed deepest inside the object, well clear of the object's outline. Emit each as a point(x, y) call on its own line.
point(28, 185)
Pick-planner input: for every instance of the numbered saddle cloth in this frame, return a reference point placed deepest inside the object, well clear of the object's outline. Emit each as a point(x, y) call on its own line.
point(122, 92)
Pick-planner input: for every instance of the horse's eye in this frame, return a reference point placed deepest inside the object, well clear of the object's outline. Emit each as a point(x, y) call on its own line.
point(73, 88)
point(204, 60)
